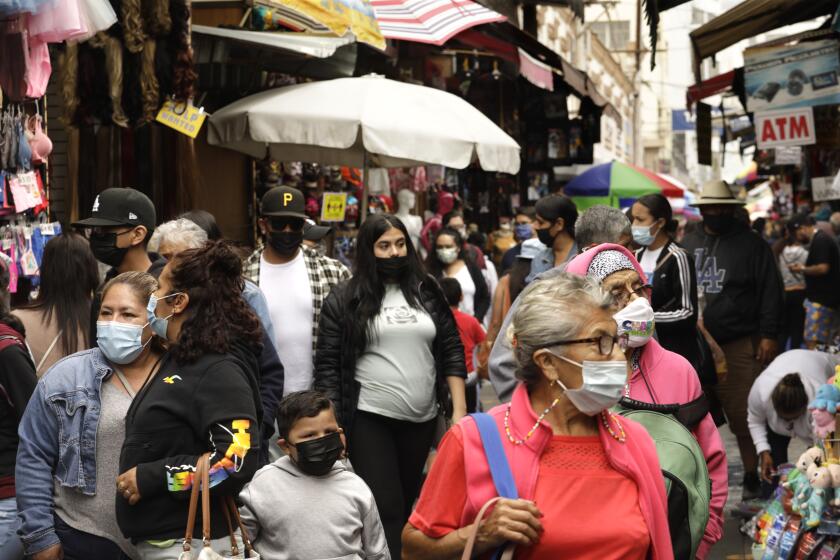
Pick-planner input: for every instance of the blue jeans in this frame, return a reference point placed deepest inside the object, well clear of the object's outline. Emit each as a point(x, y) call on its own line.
point(10, 546)
point(78, 545)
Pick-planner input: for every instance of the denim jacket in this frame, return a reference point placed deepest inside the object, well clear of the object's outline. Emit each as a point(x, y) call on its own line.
point(58, 442)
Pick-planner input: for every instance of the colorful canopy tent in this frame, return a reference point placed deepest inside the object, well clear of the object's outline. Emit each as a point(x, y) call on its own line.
point(747, 175)
point(617, 184)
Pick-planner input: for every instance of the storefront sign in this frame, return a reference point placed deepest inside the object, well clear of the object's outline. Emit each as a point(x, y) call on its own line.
point(333, 207)
point(792, 76)
point(186, 119)
point(791, 127)
point(788, 155)
point(825, 188)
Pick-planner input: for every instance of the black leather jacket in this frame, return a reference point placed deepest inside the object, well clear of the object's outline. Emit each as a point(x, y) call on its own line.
point(335, 360)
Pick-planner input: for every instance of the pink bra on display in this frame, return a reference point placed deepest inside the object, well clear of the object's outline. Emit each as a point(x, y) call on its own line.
point(39, 142)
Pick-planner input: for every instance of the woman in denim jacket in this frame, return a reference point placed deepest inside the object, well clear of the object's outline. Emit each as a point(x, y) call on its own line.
point(73, 430)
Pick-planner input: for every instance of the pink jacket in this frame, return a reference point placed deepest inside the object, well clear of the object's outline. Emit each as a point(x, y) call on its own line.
point(635, 458)
point(672, 380)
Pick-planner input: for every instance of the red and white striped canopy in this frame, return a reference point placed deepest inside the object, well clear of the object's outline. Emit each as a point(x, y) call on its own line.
point(430, 21)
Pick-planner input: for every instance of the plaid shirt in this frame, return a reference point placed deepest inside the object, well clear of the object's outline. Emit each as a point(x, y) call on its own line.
point(324, 274)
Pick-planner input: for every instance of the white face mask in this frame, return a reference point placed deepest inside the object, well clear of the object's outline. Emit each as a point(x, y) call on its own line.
point(636, 322)
point(603, 385)
point(448, 255)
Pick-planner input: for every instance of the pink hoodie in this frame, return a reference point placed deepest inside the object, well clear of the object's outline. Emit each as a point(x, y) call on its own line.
point(635, 458)
point(672, 380)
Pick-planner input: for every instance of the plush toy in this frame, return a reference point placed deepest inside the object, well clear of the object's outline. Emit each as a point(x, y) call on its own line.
point(797, 482)
point(811, 456)
point(823, 423)
point(828, 398)
point(820, 493)
point(834, 471)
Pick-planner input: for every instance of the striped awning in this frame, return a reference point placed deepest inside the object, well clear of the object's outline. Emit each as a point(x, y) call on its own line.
point(430, 21)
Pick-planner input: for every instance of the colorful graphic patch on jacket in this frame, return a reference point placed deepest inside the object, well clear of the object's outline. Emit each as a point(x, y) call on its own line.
point(180, 478)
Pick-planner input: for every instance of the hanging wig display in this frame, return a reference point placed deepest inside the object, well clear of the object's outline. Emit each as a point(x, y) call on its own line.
point(184, 76)
point(68, 64)
point(134, 35)
point(147, 57)
point(157, 18)
point(149, 83)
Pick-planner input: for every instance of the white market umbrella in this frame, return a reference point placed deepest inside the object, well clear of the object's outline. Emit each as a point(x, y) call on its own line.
point(361, 122)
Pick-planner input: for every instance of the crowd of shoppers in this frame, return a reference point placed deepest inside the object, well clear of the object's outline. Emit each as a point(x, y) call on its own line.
point(116, 394)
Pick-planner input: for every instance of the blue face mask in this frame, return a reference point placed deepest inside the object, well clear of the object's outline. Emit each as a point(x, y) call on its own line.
point(523, 231)
point(159, 325)
point(120, 342)
point(642, 235)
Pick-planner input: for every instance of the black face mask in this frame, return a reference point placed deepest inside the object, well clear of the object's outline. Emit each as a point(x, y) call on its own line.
point(317, 456)
point(545, 237)
point(104, 247)
point(393, 267)
point(286, 243)
point(720, 224)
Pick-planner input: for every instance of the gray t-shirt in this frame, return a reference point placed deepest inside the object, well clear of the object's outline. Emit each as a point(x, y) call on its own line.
point(96, 514)
point(397, 370)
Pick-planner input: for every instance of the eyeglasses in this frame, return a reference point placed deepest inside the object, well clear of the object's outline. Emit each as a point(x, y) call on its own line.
point(606, 343)
point(279, 224)
point(621, 296)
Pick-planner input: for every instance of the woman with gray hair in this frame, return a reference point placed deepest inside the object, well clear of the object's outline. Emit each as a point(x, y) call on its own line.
point(176, 236)
point(588, 482)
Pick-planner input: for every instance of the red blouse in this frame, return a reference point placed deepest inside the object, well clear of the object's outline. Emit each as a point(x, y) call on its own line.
point(590, 510)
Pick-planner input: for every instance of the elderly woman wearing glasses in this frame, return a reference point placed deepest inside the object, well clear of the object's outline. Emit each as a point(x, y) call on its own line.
point(589, 482)
point(658, 376)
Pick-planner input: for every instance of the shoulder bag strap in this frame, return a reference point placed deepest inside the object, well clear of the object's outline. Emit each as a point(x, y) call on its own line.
point(234, 548)
point(48, 352)
point(205, 499)
point(246, 539)
point(188, 534)
point(505, 554)
point(496, 457)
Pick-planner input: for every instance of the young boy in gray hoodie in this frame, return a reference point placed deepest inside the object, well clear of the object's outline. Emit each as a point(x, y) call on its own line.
point(309, 505)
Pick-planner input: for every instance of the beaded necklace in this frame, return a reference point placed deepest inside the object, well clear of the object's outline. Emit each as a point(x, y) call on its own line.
point(607, 418)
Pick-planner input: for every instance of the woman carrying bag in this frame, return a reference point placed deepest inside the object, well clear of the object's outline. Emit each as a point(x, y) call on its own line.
point(204, 399)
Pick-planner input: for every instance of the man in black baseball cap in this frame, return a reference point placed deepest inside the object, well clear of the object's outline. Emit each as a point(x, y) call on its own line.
point(121, 222)
point(295, 280)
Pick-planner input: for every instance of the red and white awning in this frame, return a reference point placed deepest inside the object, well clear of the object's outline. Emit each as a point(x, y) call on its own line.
point(430, 21)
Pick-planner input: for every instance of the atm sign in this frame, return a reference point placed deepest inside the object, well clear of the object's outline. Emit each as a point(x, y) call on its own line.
point(788, 127)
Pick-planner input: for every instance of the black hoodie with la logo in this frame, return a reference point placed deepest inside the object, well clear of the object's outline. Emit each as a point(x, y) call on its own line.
point(740, 283)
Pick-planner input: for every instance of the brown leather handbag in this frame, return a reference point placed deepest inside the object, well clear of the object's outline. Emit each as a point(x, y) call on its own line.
point(201, 485)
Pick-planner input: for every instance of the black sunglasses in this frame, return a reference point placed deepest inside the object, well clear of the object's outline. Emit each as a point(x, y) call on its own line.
point(280, 223)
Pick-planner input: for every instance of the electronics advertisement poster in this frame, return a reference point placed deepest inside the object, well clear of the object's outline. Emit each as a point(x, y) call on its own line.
point(803, 75)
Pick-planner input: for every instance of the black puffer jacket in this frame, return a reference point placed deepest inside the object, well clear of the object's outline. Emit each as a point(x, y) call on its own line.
point(335, 360)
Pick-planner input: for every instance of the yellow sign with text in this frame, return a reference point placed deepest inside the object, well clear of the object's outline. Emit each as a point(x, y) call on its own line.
point(186, 119)
point(333, 207)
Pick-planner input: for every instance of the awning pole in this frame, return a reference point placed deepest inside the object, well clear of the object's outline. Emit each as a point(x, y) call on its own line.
point(364, 209)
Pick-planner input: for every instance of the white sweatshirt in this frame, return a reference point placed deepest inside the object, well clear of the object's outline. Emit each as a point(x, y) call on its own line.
point(814, 368)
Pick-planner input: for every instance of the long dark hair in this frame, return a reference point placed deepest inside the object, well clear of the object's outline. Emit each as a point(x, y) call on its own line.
point(218, 316)
point(660, 209)
point(69, 277)
point(366, 287)
point(433, 264)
